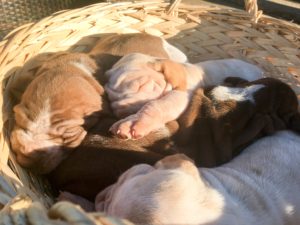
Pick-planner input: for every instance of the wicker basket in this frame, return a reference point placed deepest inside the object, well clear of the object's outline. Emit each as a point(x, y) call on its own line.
point(17, 12)
point(202, 31)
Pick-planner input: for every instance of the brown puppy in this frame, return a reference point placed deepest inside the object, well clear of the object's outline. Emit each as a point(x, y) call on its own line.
point(220, 121)
point(110, 48)
point(62, 99)
point(101, 159)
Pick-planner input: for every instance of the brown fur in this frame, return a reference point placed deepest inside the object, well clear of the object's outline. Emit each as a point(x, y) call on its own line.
point(174, 73)
point(212, 132)
point(69, 98)
point(120, 45)
point(109, 49)
point(74, 98)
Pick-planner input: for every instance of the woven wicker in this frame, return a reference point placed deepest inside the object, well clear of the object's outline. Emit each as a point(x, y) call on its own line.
point(202, 31)
point(17, 12)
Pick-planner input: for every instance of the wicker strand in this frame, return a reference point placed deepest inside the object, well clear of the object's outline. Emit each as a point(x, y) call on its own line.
point(252, 8)
point(174, 4)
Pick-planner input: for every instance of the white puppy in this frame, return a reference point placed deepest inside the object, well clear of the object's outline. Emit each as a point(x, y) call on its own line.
point(258, 187)
point(152, 91)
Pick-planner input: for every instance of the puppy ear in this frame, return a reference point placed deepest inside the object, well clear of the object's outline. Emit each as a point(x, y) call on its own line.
point(95, 84)
point(105, 197)
point(174, 73)
point(21, 117)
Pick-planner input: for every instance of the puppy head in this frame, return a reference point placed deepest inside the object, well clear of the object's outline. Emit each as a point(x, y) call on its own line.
point(144, 195)
point(41, 152)
point(34, 137)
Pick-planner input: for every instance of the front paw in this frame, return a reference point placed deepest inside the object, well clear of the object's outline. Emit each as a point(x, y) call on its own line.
point(134, 127)
point(123, 128)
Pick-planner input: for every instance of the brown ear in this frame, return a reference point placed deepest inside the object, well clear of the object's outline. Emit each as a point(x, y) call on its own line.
point(95, 84)
point(21, 117)
point(174, 73)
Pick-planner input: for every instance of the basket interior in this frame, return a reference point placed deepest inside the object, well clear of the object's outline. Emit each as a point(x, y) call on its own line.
point(203, 32)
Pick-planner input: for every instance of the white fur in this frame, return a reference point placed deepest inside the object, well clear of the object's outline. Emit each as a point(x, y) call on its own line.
point(132, 84)
point(215, 71)
point(223, 93)
point(174, 53)
point(42, 122)
point(261, 187)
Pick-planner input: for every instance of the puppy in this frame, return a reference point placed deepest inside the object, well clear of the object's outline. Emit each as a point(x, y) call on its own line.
point(64, 96)
point(152, 92)
point(123, 44)
point(110, 48)
point(101, 159)
point(257, 187)
point(222, 120)
point(55, 110)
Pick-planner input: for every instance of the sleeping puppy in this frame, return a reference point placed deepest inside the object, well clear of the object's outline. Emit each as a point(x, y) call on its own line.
point(55, 110)
point(123, 44)
point(152, 92)
point(110, 48)
point(101, 159)
point(222, 120)
point(258, 187)
point(64, 96)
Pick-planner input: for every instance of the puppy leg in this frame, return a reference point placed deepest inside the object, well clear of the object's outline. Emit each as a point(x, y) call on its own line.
point(152, 116)
point(82, 202)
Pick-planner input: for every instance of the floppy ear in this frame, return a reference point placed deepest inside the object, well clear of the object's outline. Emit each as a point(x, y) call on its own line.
point(21, 117)
point(174, 73)
point(105, 197)
point(95, 84)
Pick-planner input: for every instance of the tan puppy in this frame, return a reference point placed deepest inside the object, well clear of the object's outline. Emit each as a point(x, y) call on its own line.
point(62, 99)
point(110, 48)
point(123, 44)
point(222, 120)
point(257, 187)
point(140, 85)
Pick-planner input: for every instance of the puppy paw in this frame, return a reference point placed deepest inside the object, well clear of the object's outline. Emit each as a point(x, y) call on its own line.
point(122, 128)
point(134, 127)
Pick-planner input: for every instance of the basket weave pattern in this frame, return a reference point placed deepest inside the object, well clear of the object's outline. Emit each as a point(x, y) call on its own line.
point(203, 32)
point(17, 12)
